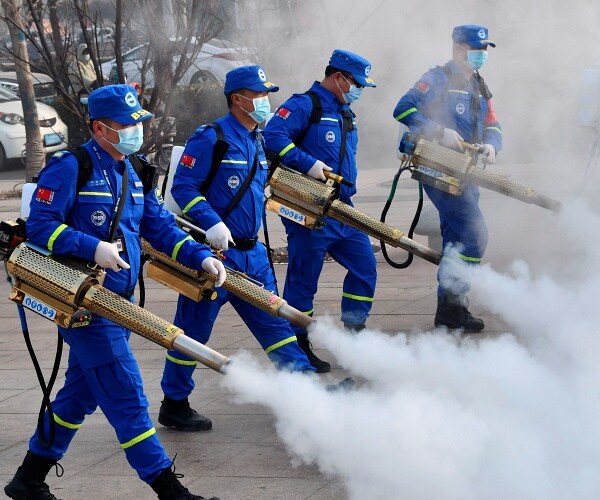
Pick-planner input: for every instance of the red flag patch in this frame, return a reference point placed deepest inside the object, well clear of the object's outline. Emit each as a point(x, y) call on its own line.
point(187, 161)
point(283, 113)
point(44, 196)
point(422, 86)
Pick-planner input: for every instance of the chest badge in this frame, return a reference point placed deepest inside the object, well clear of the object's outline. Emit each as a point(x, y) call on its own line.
point(330, 136)
point(98, 217)
point(233, 181)
point(460, 108)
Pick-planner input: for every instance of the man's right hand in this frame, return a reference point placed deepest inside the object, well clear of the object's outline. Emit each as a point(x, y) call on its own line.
point(451, 139)
point(219, 236)
point(316, 171)
point(107, 255)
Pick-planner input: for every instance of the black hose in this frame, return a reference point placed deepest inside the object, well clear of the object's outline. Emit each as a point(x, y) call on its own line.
point(401, 265)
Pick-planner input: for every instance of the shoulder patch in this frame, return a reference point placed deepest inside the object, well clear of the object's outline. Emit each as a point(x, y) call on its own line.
point(283, 112)
point(423, 86)
point(187, 160)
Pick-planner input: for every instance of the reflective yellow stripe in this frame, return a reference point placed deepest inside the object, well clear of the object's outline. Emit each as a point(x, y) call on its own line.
point(178, 246)
point(406, 113)
point(139, 195)
point(468, 259)
point(94, 193)
point(242, 162)
point(55, 234)
point(308, 313)
point(68, 425)
point(329, 119)
point(357, 297)
point(291, 145)
point(181, 361)
point(193, 202)
point(494, 128)
point(280, 344)
point(136, 440)
point(459, 91)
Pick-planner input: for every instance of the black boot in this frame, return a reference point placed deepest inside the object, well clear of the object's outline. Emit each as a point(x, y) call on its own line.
point(168, 487)
point(320, 365)
point(354, 328)
point(181, 416)
point(28, 482)
point(452, 313)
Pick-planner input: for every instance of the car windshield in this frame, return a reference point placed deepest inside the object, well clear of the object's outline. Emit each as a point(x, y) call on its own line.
point(7, 96)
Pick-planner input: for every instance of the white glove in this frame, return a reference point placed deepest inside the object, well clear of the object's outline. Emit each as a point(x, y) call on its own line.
point(316, 171)
point(488, 154)
point(451, 139)
point(219, 236)
point(216, 267)
point(107, 255)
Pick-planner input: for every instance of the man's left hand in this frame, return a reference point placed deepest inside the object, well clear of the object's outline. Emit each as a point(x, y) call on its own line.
point(488, 154)
point(216, 267)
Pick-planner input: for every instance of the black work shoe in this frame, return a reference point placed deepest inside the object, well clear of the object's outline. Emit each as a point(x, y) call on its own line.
point(345, 385)
point(354, 328)
point(453, 314)
point(320, 365)
point(168, 487)
point(28, 482)
point(179, 415)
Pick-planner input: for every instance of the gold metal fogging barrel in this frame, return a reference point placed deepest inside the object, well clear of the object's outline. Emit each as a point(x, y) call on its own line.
point(380, 230)
point(307, 194)
point(68, 284)
point(456, 164)
point(236, 283)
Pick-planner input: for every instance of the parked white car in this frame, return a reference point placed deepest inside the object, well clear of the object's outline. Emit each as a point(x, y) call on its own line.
point(12, 127)
point(211, 65)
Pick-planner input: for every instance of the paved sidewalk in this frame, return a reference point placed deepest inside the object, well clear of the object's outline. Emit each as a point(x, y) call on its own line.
point(242, 458)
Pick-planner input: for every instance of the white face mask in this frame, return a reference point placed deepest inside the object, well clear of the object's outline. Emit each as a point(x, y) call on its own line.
point(86, 57)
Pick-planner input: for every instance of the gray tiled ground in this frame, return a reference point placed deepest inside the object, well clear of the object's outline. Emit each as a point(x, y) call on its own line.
point(242, 457)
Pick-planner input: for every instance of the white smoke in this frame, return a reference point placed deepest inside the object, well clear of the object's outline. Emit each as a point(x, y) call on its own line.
point(447, 417)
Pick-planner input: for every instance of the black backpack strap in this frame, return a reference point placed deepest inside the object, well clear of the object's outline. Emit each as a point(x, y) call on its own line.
point(315, 115)
point(219, 150)
point(84, 172)
point(146, 171)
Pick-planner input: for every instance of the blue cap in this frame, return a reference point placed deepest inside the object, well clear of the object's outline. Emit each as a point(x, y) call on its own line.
point(117, 102)
point(473, 34)
point(357, 66)
point(248, 77)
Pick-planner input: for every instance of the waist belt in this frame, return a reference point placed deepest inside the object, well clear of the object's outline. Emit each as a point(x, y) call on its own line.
point(126, 295)
point(244, 244)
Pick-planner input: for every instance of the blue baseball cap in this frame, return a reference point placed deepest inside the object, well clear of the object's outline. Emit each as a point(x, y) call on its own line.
point(357, 66)
point(248, 77)
point(117, 102)
point(472, 34)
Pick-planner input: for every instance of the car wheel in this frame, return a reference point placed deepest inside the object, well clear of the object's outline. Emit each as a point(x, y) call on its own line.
point(3, 163)
point(203, 78)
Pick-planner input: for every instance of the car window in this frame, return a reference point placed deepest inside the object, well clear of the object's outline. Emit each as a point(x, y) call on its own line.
point(7, 96)
point(136, 54)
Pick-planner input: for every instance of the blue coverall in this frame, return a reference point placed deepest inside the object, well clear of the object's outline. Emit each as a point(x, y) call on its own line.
point(102, 370)
point(206, 209)
point(436, 102)
point(306, 247)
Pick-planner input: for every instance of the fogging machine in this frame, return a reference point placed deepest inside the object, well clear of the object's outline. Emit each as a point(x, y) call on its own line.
point(307, 201)
point(448, 170)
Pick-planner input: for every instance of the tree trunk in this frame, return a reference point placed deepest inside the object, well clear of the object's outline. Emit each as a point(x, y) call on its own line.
point(34, 149)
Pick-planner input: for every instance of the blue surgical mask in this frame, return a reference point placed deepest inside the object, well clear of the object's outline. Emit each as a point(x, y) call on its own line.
point(130, 139)
point(83, 100)
point(476, 58)
point(262, 108)
point(353, 93)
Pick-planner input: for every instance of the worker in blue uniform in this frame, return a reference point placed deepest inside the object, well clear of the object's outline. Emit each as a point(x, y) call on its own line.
point(313, 147)
point(102, 371)
point(230, 209)
point(451, 104)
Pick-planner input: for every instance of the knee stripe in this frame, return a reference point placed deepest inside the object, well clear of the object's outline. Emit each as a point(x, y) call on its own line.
point(181, 361)
point(469, 259)
point(139, 438)
point(357, 297)
point(68, 425)
point(280, 344)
